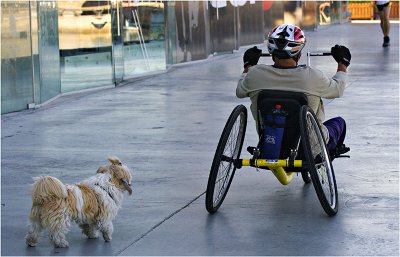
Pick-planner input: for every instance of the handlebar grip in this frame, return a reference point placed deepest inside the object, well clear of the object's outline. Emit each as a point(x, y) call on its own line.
point(266, 54)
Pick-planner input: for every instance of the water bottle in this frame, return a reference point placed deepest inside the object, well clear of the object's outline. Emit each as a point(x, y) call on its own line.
point(273, 133)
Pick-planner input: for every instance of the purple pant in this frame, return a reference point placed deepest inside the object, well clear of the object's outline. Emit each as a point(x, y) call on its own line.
point(337, 131)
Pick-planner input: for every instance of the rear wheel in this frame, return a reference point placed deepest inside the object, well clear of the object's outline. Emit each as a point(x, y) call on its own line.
point(228, 150)
point(320, 165)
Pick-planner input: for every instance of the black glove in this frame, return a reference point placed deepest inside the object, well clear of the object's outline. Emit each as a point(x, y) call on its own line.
point(341, 54)
point(251, 56)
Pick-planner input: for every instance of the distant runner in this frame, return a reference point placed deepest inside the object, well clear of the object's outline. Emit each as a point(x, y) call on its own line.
point(384, 11)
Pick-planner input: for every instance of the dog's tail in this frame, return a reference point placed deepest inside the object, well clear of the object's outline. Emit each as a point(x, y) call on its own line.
point(46, 188)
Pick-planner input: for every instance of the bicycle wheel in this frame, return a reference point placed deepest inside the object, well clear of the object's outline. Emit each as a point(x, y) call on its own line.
point(320, 165)
point(228, 149)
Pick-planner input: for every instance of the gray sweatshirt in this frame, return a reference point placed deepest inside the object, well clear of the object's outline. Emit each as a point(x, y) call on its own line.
point(310, 81)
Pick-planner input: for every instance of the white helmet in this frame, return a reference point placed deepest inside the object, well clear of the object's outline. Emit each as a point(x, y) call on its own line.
point(286, 41)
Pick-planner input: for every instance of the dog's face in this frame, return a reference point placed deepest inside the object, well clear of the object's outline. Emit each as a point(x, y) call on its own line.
point(121, 177)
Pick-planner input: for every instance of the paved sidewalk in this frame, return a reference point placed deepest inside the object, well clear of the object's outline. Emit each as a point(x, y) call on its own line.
point(166, 128)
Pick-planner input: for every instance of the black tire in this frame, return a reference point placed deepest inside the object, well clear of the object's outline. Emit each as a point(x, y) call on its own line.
point(228, 149)
point(320, 165)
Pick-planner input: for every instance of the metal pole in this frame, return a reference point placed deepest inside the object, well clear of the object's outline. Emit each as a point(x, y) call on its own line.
point(141, 38)
point(32, 57)
point(141, 33)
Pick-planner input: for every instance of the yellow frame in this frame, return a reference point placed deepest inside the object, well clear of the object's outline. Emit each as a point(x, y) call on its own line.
point(276, 166)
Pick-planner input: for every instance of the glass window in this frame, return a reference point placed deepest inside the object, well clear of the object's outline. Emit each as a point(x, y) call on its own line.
point(324, 13)
point(49, 59)
point(335, 11)
point(309, 20)
point(16, 60)
point(144, 38)
point(85, 44)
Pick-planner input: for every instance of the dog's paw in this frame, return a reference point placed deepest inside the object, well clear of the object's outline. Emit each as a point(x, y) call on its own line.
point(62, 244)
point(93, 236)
point(30, 241)
point(107, 237)
point(90, 231)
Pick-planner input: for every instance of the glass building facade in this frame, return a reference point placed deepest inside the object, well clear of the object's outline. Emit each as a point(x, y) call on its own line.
point(50, 48)
point(30, 62)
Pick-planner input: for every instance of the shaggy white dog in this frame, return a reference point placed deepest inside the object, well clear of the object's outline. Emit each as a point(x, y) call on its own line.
point(92, 203)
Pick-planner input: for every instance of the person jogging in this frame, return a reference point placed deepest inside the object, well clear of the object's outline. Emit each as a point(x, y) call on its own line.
point(384, 11)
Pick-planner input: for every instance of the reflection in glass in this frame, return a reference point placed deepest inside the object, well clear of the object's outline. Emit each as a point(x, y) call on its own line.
point(309, 16)
point(222, 27)
point(330, 12)
point(324, 14)
point(49, 59)
point(336, 11)
point(16, 60)
point(273, 15)
point(85, 44)
point(144, 38)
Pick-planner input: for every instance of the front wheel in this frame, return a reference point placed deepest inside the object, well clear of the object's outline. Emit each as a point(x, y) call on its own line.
point(320, 165)
point(228, 150)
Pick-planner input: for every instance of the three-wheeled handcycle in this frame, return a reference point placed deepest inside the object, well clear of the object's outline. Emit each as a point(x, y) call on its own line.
point(302, 147)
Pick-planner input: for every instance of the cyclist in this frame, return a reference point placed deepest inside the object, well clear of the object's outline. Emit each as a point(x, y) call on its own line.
point(285, 43)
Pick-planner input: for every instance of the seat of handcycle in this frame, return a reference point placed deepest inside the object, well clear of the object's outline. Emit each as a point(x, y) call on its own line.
point(289, 104)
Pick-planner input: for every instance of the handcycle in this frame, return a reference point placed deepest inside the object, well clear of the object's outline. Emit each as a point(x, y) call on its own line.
point(302, 148)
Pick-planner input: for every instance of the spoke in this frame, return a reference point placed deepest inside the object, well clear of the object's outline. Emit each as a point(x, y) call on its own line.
point(222, 179)
point(233, 136)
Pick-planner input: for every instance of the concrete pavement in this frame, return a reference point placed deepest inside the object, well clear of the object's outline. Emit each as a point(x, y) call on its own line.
point(166, 128)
